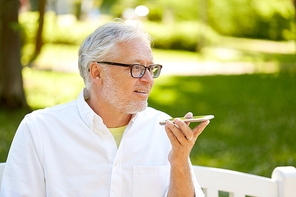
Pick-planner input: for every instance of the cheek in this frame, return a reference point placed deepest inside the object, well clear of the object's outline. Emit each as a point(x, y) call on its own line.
point(126, 86)
point(123, 82)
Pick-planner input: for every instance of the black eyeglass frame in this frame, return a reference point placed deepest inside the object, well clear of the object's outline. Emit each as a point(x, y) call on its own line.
point(131, 67)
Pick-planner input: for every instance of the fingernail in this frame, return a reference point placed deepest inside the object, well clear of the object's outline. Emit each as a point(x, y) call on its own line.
point(169, 122)
point(177, 119)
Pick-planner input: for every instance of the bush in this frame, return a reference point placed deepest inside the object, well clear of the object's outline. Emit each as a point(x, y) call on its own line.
point(66, 30)
point(265, 19)
point(29, 26)
point(61, 29)
point(261, 19)
point(179, 36)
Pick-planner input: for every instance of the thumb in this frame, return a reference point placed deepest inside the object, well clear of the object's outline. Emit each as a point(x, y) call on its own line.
point(189, 115)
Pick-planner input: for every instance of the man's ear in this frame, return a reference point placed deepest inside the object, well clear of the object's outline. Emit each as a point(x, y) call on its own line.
point(95, 72)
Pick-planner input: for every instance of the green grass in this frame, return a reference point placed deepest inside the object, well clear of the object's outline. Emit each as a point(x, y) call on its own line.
point(253, 131)
point(9, 121)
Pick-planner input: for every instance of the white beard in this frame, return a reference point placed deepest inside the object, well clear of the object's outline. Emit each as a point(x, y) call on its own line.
point(118, 99)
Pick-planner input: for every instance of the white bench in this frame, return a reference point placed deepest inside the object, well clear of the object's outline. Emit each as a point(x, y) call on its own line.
point(281, 184)
point(213, 180)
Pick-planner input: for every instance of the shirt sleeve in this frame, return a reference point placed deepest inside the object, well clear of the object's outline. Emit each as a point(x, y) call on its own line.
point(23, 173)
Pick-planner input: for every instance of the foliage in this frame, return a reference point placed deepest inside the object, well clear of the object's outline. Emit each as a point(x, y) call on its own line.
point(179, 10)
point(63, 29)
point(253, 19)
point(57, 29)
point(182, 35)
point(265, 19)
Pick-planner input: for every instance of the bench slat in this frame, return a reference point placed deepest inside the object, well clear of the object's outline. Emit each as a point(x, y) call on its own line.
point(211, 192)
point(236, 195)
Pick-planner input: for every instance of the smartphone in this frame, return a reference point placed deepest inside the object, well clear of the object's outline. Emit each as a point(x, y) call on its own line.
point(194, 119)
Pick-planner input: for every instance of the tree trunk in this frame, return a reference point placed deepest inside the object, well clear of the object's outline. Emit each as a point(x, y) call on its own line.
point(12, 94)
point(39, 40)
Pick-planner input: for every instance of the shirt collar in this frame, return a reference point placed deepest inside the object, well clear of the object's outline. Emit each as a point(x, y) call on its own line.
point(86, 113)
point(134, 117)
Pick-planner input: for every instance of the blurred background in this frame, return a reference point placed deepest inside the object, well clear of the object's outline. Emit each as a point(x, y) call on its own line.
point(234, 59)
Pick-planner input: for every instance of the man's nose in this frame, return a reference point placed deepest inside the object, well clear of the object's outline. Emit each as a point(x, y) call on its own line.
point(147, 77)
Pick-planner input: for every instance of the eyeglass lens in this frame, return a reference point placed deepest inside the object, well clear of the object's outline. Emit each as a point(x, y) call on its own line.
point(138, 71)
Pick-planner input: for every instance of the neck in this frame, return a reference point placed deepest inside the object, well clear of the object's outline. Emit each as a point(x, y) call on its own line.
point(111, 116)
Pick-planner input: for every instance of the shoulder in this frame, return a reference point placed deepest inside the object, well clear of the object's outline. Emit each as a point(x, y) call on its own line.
point(56, 111)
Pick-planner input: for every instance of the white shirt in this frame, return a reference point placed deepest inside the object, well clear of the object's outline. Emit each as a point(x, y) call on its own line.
point(66, 150)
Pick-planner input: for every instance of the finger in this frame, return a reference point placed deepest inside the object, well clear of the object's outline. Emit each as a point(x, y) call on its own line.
point(173, 139)
point(177, 131)
point(199, 128)
point(184, 129)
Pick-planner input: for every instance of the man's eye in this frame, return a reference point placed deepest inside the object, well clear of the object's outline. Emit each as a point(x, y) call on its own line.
point(137, 67)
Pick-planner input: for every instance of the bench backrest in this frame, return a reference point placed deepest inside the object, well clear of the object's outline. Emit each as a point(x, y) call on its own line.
point(237, 184)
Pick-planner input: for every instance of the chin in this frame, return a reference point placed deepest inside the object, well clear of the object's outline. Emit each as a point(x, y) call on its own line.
point(137, 107)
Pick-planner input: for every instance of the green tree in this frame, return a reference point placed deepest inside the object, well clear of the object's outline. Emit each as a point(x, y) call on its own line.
point(265, 19)
point(106, 6)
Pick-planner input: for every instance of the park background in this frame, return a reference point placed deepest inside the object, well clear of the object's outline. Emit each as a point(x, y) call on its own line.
point(234, 59)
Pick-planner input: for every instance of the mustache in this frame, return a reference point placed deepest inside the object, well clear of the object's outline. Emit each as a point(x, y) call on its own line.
point(145, 87)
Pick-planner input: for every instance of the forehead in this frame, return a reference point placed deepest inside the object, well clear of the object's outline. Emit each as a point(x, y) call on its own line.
point(136, 51)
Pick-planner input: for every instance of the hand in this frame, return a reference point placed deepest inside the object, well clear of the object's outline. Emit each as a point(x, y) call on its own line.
point(182, 138)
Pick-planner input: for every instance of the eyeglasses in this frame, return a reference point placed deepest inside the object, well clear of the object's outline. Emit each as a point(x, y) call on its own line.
point(138, 70)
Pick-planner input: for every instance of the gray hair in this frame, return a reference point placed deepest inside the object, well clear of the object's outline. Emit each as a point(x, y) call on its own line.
point(98, 45)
